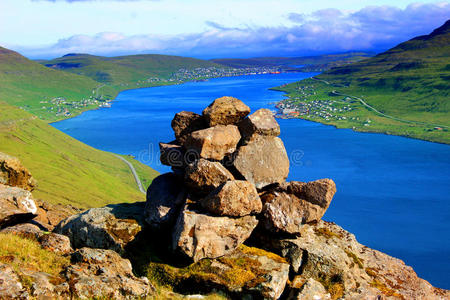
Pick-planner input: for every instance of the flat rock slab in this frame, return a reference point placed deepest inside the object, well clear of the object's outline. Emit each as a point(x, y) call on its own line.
point(165, 197)
point(10, 285)
point(186, 122)
point(198, 235)
point(110, 227)
point(13, 173)
point(262, 161)
point(204, 176)
point(236, 198)
point(214, 142)
point(16, 206)
point(225, 111)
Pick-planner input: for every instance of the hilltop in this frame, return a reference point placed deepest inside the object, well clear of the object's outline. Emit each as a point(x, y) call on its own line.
point(317, 63)
point(403, 91)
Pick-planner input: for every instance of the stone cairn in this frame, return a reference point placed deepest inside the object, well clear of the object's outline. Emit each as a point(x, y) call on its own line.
point(229, 175)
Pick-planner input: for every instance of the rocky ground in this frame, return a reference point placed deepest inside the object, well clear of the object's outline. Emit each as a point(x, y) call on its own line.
point(225, 221)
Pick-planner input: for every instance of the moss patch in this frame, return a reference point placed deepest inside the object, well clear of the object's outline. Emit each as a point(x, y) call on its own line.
point(325, 232)
point(358, 261)
point(387, 291)
point(332, 285)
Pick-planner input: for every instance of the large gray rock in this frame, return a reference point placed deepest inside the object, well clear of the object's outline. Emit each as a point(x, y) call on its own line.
point(236, 198)
point(16, 206)
point(110, 227)
point(225, 111)
point(214, 142)
point(204, 176)
point(13, 173)
point(286, 213)
point(263, 161)
point(186, 122)
point(327, 253)
point(261, 122)
point(99, 273)
point(10, 285)
point(202, 236)
point(165, 197)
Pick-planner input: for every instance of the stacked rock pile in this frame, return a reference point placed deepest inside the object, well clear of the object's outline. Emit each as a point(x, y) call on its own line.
point(229, 174)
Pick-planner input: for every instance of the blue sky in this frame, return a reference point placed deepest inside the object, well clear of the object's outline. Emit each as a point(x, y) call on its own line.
point(205, 28)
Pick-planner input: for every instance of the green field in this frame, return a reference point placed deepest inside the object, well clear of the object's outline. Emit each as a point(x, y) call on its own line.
point(68, 171)
point(406, 90)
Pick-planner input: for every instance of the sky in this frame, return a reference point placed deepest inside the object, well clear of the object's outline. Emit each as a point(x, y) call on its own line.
point(213, 28)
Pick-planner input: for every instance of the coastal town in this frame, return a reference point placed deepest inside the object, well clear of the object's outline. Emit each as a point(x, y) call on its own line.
point(63, 107)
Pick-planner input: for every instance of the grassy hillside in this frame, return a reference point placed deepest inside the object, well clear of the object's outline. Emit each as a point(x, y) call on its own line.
point(67, 170)
point(305, 63)
point(403, 91)
point(25, 83)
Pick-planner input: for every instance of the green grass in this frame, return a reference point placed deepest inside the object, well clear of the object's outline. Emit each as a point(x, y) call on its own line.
point(68, 171)
point(408, 83)
point(145, 174)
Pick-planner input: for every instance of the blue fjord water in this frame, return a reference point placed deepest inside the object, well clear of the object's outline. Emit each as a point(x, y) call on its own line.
point(393, 192)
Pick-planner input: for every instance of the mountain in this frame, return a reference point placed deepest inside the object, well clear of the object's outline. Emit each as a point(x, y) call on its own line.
point(68, 171)
point(305, 63)
point(26, 83)
point(405, 89)
point(125, 69)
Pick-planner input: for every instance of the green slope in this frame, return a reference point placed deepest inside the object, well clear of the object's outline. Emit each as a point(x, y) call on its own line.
point(67, 170)
point(28, 84)
point(406, 89)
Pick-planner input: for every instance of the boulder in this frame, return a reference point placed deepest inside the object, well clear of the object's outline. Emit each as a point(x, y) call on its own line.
point(13, 173)
point(26, 230)
point(214, 142)
point(327, 253)
point(319, 192)
point(311, 289)
point(236, 198)
point(204, 176)
point(225, 111)
point(200, 236)
point(245, 273)
point(262, 161)
point(165, 197)
point(57, 243)
point(16, 206)
point(186, 122)
point(172, 155)
point(286, 213)
point(46, 286)
point(99, 273)
point(10, 285)
point(261, 122)
point(110, 227)
point(49, 215)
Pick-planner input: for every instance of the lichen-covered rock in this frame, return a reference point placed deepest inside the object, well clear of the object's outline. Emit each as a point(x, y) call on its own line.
point(331, 255)
point(204, 176)
point(236, 198)
point(214, 142)
point(16, 206)
point(99, 273)
point(319, 192)
point(46, 286)
point(26, 230)
point(165, 197)
point(225, 111)
point(198, 236)
point(13, 173)
point(261, 122)
point(262, 161)
point(110, 227)
point(55, 242)
point(245, 273)
point(186, 122)
point(10, 285)
point(49, 215)
point(172, 155)
point(283, 212)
